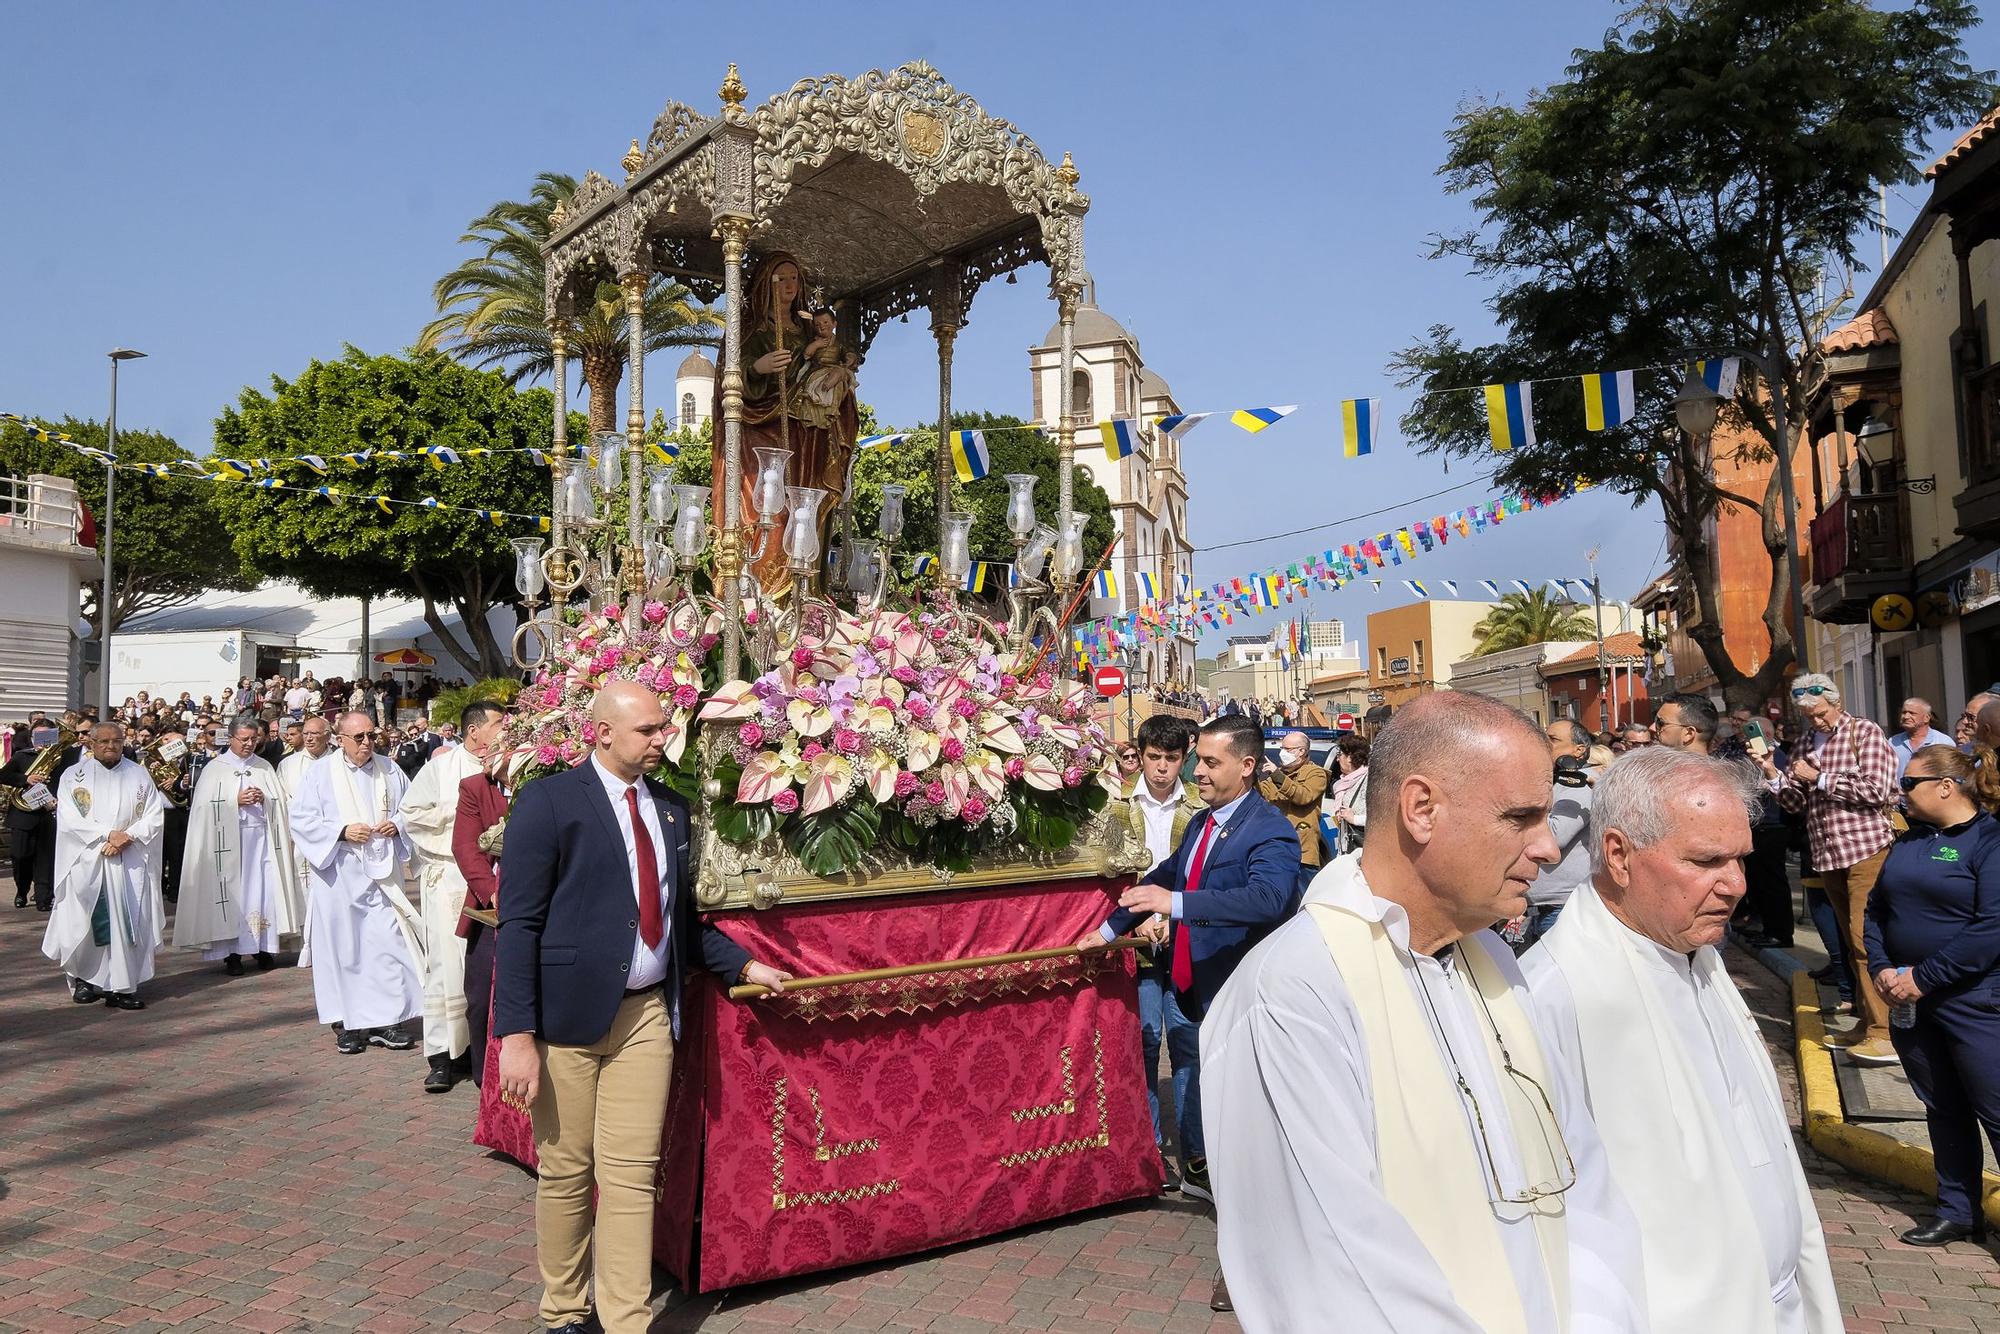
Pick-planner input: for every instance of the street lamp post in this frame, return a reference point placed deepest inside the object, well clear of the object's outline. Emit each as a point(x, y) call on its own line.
point(117, 354)
point(1696, 406)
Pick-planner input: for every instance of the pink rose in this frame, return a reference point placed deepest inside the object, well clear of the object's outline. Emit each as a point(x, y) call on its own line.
point(1072, 776)
point(1042, 682)
point(1007, 681)
point(952, 749)
point(884, 702)
point(802, 656)
point(938, 633)
point(707, 642)
point(880, 643)
point(785, 802)
point(546, 755)
point(654, 612)
point(965, 707)
point(686, 697)
point(934, 793)
point(974, 809)
point(1014, 768)
point(906, 783)
point(752, 616)
point(614, 612)
point(907, 675)
point(812, 750)
point(751, 733)
point(846, 740)
point(590, 734)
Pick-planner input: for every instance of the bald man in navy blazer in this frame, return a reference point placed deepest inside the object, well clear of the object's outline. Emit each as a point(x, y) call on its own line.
point(597, 933)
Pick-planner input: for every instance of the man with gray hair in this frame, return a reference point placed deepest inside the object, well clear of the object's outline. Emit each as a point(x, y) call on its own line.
point(240, 889)
point(1919, 722)
point(1632, 992)
point(1843, 778)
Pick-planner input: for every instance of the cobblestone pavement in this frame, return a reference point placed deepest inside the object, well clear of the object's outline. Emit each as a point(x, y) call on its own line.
point(211, 1163)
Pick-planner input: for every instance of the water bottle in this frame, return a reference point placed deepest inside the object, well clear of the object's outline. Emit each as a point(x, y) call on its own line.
point(1903, 1014)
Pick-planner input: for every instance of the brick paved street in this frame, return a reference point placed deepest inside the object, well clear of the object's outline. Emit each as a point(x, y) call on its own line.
point(211, 1163)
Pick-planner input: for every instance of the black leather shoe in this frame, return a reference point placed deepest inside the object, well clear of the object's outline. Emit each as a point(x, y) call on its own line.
point(395, 1037)
point(20, 900)
point(349, 1044)
point(1940, 1232)
point(265, 962)
point(232, 964)
point(461, 1066)
point(123, 1000)
point(440, 1079)
point(587, 1325)
point(83, 993)
point(1173, 1179)
point(1218, 1300)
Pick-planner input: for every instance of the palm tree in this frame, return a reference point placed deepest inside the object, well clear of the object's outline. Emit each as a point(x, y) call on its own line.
point(1530, 618)
point(493, 312)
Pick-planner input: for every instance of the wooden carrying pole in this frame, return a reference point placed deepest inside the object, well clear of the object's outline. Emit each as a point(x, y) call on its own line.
point(752, 992)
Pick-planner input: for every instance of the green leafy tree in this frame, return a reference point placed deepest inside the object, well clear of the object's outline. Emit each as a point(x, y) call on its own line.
point(1530, 618)
point(493, 310)
point(350, 548)
point(168, 543)
point(1686, 186)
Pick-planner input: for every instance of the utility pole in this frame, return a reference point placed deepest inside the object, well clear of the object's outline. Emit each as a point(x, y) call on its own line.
point(1597, 607)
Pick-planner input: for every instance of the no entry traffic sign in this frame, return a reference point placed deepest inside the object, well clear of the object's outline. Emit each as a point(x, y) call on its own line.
point(1343, 722)
point(1109, 680)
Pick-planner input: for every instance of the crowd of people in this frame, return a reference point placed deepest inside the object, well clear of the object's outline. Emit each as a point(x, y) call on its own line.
point(1450, 1075)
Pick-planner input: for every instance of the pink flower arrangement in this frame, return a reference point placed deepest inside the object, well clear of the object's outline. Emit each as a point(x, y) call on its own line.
point(910, 711)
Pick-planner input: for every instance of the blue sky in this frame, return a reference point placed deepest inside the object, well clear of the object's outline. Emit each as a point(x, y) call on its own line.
point(236, 189)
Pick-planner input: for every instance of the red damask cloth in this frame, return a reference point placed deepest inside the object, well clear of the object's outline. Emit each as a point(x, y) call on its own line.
point(891, 1118)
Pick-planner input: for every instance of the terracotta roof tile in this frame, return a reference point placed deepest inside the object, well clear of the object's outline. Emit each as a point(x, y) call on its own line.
point(1971, 139)
point(1624, 644)
point(1871, 328)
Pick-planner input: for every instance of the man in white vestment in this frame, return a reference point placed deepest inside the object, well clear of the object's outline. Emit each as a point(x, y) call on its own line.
point(240, 890)
point(1637, 1005)
point(108, 912)
point(363, 935)
point(1392, 1150)
point(315, 741)
point(430, 809)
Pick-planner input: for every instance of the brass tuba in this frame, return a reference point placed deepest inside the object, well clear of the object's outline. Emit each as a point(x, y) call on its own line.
point(42, 769)
point(165, 769)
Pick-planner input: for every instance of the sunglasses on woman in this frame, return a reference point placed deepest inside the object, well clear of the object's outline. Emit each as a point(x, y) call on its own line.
point(1909, 782)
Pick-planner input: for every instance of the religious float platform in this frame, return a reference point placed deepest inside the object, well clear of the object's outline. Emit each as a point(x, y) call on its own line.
point(897, 798)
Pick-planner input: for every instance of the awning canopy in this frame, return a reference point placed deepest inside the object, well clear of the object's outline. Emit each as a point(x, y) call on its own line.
point(406, 657)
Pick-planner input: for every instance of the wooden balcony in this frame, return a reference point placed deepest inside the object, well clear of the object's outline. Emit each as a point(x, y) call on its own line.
point(1978, 505)
point(1858, 554)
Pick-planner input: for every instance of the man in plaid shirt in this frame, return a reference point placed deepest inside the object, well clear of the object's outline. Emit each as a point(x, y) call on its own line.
point(1845, 782)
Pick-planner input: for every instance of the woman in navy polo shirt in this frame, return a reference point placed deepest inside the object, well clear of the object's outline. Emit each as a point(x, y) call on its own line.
point(1933, 934)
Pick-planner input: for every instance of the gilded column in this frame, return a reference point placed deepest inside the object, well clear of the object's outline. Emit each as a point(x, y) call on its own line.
point(559, 372)
point(634, 571)
point(1066, 298)
point(728, 507)
point(947, 318)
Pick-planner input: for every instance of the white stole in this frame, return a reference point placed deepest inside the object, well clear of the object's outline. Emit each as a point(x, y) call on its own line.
point(1429, 1168)
point(378, 855)
point(1665, 1141)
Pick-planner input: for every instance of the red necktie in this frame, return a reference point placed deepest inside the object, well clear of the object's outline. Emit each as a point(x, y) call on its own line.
point(1183, 969)
point(649, 874)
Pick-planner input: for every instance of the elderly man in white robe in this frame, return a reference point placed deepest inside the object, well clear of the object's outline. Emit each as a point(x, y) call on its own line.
point(106, 924)
point(430, 810)
point(315, 742)
point(240, 889)
point(363, 935)
point(1636, 1001)
point(1391, 1147)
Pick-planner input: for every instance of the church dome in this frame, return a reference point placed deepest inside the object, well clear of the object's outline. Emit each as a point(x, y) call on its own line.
point(1151, 385)
point(695, 366)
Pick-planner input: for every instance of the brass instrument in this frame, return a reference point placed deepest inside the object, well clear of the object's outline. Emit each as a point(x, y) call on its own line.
point(165, 769)
point(42, 769)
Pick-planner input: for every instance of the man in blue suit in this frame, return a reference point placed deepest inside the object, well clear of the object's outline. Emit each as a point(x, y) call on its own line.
point(597, 932)
point(1233, 878)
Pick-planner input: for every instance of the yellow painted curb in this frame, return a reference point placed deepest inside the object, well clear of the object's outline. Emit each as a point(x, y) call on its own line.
point(1869, 1152)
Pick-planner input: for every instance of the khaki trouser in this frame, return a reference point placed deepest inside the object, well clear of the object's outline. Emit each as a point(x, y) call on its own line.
point(598, 1116)
point(1847, 889)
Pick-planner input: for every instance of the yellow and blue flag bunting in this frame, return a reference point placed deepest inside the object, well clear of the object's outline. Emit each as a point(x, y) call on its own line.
point(968, 455)
point(1357, 426)
point(882, 441)
point(1254, 420)
point(1416, 587)
point(922, 566)
point(1149, 586)
point(1179, 424)
point(1510, 414)
point(1105, 585)
point(1719, 374)
point(1607, 399)
point(665, 451)
point(1120, 436)
point(439, 455)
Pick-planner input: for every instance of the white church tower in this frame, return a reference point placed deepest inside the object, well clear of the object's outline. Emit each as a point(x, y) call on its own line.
point(1147, 489)
point(694, 391)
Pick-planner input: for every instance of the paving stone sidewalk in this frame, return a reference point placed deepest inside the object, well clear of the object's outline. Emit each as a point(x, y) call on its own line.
point(211, 1163)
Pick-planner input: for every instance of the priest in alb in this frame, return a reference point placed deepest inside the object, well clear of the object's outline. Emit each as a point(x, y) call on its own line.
point(430, 810)
point(315, 742)
point(1392, 1147)
point(108, 913)
point(240, 890)
point(364, 939)
point(1638, 1005)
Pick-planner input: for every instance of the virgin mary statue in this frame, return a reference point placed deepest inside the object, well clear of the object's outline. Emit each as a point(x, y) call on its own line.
point(777, 410)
